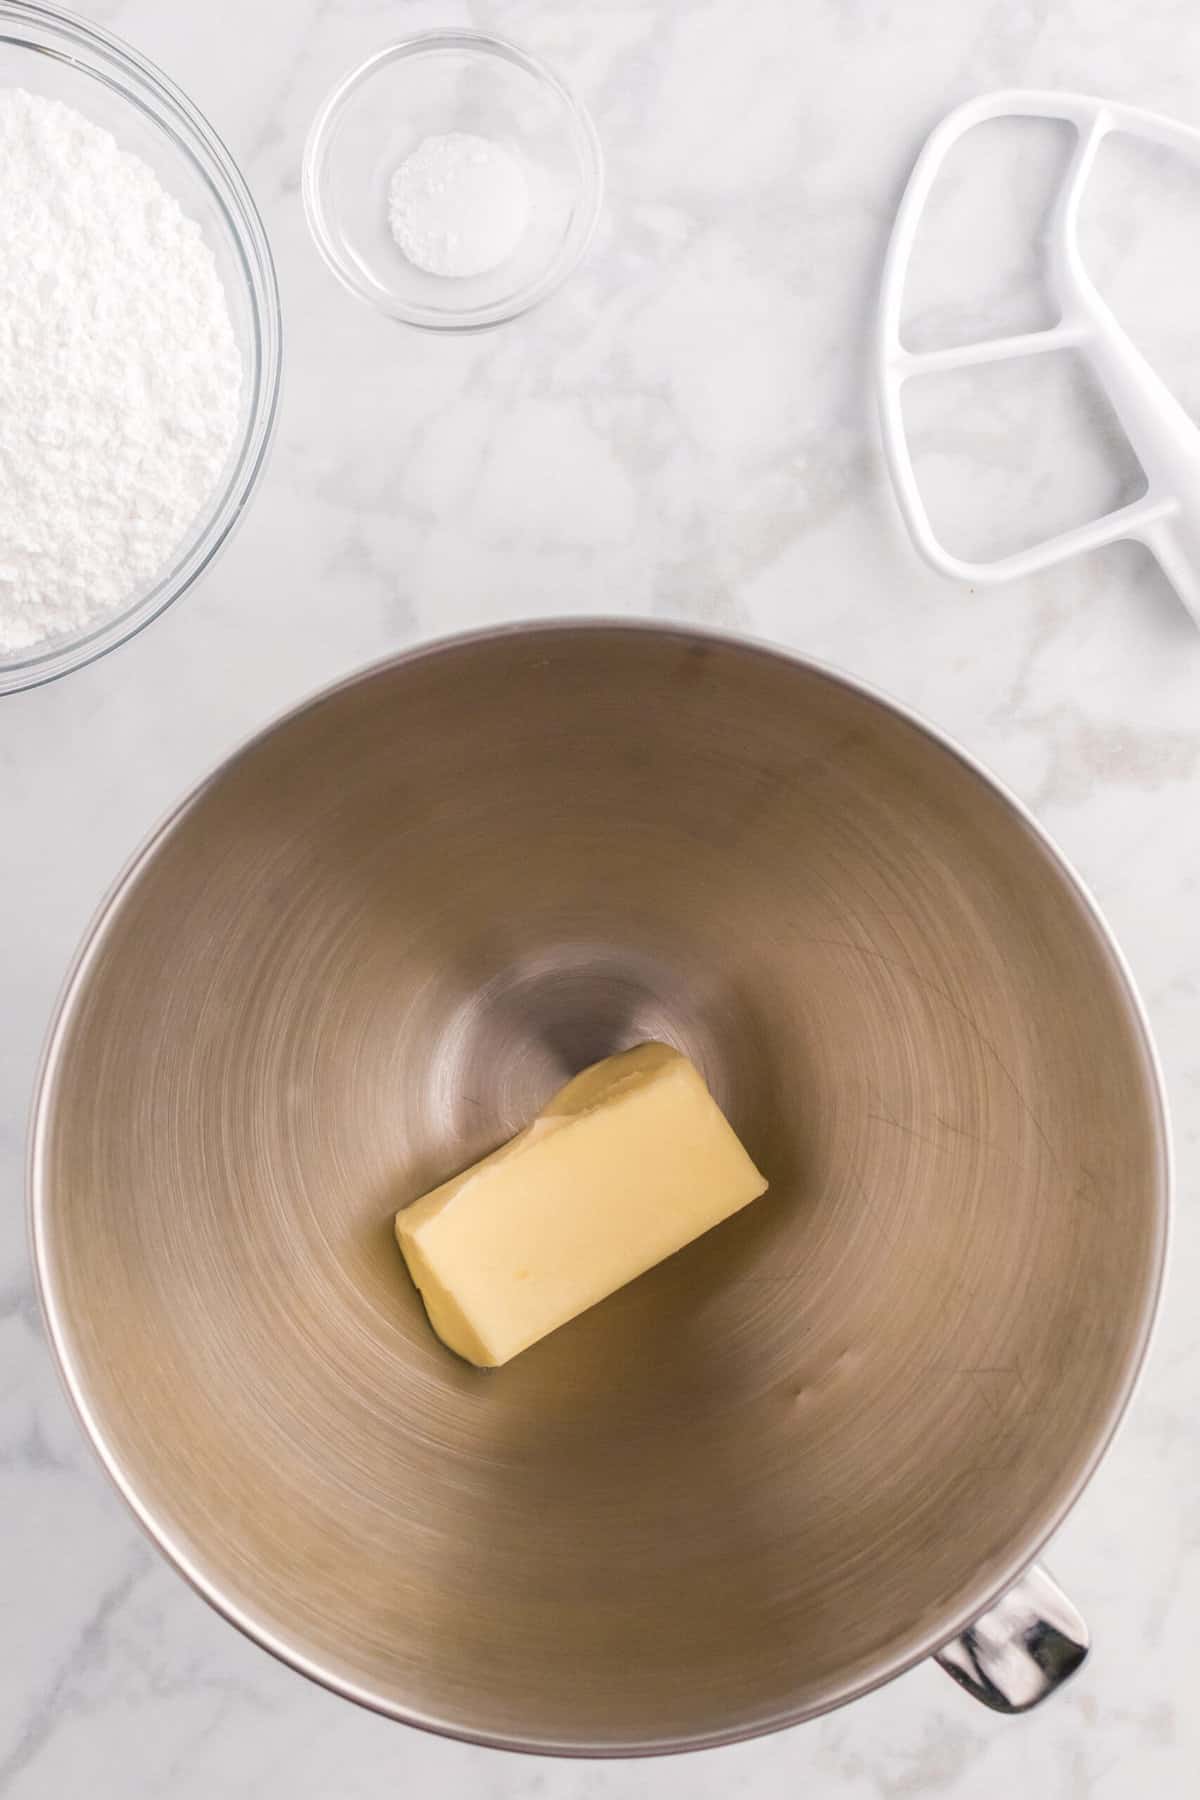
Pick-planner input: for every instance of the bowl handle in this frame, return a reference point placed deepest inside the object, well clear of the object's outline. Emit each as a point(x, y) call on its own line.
point(1023, 1648)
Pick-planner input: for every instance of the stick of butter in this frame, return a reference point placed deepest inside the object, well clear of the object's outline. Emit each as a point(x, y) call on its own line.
point(626, 1164)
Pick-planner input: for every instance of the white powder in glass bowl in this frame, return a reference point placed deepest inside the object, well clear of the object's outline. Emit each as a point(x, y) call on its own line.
point(459, 205)
point(120, 375)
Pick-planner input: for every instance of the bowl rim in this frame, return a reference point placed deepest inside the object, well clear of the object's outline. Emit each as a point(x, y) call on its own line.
point(576, 242)
point(989, 1588)
point(139, 82)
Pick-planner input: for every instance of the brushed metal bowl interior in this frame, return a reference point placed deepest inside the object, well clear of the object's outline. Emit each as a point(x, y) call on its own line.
point(777, 1468)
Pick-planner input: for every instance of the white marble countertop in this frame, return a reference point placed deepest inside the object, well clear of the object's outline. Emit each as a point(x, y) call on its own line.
point(687, 431)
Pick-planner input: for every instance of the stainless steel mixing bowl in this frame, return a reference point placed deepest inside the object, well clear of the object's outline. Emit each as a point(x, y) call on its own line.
point(778, 1468)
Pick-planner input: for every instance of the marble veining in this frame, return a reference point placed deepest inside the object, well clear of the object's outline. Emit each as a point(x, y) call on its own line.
point(686, 432)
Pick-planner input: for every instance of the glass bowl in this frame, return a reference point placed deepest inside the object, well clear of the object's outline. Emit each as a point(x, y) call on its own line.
point(442, 82)
point(54, 54)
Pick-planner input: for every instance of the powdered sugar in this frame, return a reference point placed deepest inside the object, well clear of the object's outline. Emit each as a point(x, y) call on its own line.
point(120, 375)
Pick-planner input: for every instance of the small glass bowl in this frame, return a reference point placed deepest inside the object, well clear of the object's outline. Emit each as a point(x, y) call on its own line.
point(443, 82)
point(54, 54)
